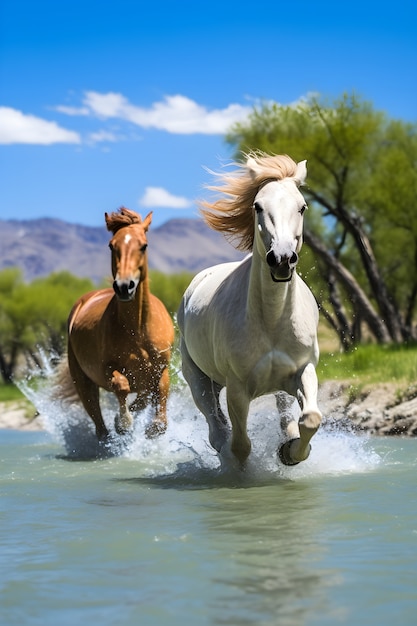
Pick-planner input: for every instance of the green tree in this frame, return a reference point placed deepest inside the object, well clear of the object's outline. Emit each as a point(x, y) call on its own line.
point(169, 288)
point(12, 330)
point(362, 187)
point(34, 316)
point(393, 186)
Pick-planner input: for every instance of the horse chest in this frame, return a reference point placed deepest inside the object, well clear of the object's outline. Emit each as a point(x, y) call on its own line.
point(134, 358)
point(266, 372)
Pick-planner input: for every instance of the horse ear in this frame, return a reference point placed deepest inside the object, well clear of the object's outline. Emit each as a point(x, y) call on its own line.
point(252, 167)
point(147, 221)
point(301, 173)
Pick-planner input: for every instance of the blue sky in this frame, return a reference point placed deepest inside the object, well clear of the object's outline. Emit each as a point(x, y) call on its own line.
point(104, 104)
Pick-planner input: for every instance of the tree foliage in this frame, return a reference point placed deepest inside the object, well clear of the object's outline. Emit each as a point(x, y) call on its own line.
point(362, 189)
point(34, 316)
point(169, 288)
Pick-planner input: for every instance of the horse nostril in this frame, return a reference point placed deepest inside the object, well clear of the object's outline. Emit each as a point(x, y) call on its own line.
point(293, 259)
point(271, 259)
point(274, 261)
point(131, 285)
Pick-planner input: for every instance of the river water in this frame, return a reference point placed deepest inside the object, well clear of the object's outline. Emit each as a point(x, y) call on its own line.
point(159, 533)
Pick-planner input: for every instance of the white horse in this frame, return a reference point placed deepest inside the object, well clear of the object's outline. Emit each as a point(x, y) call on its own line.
point(251, 326)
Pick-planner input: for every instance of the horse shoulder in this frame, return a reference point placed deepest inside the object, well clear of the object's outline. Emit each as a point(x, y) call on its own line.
point(215, 287)
point(89, 307)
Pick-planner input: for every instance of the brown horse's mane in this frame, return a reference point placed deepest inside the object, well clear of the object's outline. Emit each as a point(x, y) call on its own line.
point(232, 214)
point(123, 217)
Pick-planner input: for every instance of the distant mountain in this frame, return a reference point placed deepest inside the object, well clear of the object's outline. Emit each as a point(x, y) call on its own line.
point(42, 246)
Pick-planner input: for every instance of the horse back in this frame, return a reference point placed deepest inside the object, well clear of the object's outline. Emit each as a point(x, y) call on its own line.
point(207, 285)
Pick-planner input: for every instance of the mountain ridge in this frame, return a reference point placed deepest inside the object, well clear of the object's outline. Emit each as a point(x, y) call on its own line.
point(45, 245)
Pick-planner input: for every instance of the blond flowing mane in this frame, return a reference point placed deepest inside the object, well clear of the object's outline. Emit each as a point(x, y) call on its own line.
point(124, 217)
point(232, 214)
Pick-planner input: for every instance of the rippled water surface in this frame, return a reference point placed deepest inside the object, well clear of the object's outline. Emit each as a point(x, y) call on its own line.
point(159, 533)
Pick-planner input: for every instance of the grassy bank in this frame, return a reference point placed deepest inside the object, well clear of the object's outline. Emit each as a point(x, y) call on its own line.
point(371, 364)
point(10, 393)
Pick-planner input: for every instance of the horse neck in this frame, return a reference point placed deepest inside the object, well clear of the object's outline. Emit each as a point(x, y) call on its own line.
point(267, 300)
point(135, 314)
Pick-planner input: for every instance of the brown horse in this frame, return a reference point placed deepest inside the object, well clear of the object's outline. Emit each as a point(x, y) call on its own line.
point(120, 338)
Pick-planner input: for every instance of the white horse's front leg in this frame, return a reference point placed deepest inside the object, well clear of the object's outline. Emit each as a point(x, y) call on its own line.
point(289, 413)
point(298, 449)
point(238, 408)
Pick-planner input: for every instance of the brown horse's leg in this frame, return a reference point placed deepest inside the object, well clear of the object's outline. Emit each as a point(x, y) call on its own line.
point(139, 403)
point(121, 388)
point(89, 395)
point(159, 402)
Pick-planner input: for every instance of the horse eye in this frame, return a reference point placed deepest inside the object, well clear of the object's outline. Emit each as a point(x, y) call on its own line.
point(143, 248)
point(257, 207)
point(111, 246)
point(303, 208)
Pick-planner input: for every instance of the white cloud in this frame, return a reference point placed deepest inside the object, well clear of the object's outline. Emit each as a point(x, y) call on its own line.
point(174, 114)
point(159, 197)
point(17, 127)
point(107, 105)
point(72, 110)
point(103, 135)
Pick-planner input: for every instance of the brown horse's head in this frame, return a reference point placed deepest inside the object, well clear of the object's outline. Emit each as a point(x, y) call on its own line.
point(128, 251)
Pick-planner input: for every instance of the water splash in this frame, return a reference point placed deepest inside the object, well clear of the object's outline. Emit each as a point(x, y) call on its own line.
point(184, 449)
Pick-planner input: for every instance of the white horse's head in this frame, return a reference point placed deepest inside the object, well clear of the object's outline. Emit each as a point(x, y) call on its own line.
point(279, 208)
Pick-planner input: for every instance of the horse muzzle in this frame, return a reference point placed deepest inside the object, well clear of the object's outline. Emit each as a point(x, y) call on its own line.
point(281, 266)
point(125, 289)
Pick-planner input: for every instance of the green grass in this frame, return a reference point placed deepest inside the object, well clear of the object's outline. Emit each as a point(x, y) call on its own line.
point(370, 364)
point(10, 393)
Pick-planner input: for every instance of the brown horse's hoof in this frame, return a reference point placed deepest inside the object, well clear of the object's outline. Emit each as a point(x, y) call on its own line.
point(155, 430)
point(120, 428)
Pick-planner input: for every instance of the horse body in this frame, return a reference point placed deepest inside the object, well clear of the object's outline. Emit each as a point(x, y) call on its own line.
point(120, 339)
point(251, 327)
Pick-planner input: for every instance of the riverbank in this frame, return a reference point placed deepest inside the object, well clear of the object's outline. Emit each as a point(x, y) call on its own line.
point(384, 409)
point(19, 415)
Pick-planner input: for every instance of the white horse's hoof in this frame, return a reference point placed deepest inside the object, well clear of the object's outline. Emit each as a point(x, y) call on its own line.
point(285, 456)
